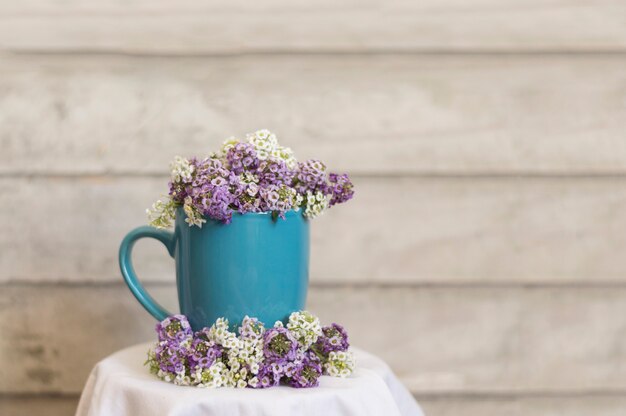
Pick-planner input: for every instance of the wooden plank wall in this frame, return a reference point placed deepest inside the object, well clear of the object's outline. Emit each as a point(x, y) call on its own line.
point(487, 142)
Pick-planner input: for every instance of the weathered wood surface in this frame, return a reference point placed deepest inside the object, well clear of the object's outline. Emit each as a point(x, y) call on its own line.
point(196, 27)
point(596, 405)
point(405, 115)
point(396, 230)
point(97, 96)
point(36, 405)
point(438, 340)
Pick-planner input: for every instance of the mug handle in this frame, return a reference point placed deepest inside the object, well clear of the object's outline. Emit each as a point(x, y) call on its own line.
point(126, 266)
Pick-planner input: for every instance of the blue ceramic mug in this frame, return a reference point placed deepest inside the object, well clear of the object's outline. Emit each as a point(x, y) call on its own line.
point(256, 266)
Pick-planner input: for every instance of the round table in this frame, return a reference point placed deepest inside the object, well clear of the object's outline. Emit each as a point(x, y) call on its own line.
point(120, 385)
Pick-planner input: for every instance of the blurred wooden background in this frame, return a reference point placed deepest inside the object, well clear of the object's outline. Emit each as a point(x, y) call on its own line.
point(483, 256)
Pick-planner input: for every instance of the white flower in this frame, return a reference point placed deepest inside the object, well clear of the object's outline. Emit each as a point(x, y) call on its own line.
point(305, 327)
point(340, 364)
point(286, 154)
point(298, 202)
point(194, 217)
point(236, 378)
point(253, 382)
point(218, 181)
point(181, 170)
point(253, 189)
point(264, 143)
point(220, 334)
point(211, 377)
point(226, 146)
point(162, 214)
point(182, 379)
point(316, 204)
point(289, 158)
point(249, 177)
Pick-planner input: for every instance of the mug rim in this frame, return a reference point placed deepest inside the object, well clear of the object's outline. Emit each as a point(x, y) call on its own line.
point(290, 213)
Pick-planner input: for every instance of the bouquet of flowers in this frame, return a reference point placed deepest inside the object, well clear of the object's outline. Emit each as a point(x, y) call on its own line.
point(295, 355)
point(252, 175)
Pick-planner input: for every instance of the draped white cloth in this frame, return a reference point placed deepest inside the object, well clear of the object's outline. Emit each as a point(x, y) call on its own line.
point(120, 385)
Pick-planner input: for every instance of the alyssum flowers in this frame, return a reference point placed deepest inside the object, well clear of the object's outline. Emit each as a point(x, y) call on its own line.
point(253, 175)
point(258, 357)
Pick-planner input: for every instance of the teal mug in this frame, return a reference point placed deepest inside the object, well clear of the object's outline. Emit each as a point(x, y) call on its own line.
point(256, 266)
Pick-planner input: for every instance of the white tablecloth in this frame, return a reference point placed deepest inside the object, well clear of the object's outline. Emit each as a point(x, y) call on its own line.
point(120, 385)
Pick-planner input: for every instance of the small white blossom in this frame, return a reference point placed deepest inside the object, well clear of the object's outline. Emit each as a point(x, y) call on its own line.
point(182, 379)
point(316, 204)
point(220, 333)
point(181, 170)
point(252, 189)
point(299, 200)
point(226, 146)
point(236, 377)
point(305, 327)
point(162, 214)
point(285, 154)
point(253, 382)
point(264, 143)
point(210, 377)
point(244, 359)
point(193, 216)
point(243, 356)
point(249, 178)
point(340, 364)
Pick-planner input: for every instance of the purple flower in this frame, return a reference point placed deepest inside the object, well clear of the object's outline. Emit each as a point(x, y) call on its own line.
point(274, 172)
point(334, 338)
point(203, 352)
point(212, 356)
point(251, 328)
point(178, 192)
point(279, 345)
point(174, 328)
point(215, 203)
point(305, 372)
point(341, 188)
point(270, 194)
point(248, 200)
point(248, 177)
point(269, 375)
point(212, 190)
point(311, 176)
point(242, 157)
point(170, 356)
point(277, 198)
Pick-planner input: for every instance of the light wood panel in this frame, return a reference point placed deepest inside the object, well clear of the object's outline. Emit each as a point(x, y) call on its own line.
point(196, 27)
point(34, 405)
point(420, 230)
point(583, 405)
point(407, 115)
point(438, 340)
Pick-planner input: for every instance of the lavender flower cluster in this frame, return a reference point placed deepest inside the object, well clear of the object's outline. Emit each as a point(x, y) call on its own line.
point(252, 175)
point(295, 355)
